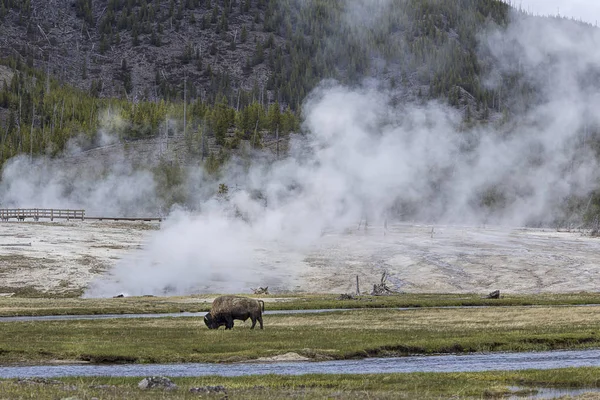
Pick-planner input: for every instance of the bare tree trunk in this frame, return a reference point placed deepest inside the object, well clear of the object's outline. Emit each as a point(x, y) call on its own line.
point(53, 121)
point(2, 144)
point(92, 113)
point(31, 134)
point(62, 111)
point(255, 134)
point(43, 127)
point(185, 107)
point(47, 73)
point(167, 134)
point(203, 135)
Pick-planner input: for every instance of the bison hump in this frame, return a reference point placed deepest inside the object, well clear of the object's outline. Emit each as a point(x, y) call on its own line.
point(234, 305)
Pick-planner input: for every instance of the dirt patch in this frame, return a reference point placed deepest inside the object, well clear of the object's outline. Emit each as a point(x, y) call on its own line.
point(289, 357)
point(110, 246)
point(66, 362)
point(10, 263)
point(107, 359)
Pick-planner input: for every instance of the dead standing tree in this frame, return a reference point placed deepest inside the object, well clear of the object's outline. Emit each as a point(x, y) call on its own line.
point(382, 289)
point(261, 290)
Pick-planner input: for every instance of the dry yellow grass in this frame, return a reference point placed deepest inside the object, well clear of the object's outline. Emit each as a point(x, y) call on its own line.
point(341, 334)
point(454, 319)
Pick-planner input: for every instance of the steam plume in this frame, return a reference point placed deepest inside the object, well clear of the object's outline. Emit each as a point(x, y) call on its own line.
point(363, 158)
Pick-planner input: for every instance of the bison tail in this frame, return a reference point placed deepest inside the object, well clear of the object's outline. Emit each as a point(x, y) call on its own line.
point(263, 304)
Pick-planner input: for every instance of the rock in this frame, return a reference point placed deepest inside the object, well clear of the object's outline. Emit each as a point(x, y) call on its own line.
point(345, 296)
point(494, 295)
point(209, 389)
point(157, 382)
point(118, 296)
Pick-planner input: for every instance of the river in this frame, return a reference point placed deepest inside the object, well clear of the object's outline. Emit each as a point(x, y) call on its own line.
point(437, 363)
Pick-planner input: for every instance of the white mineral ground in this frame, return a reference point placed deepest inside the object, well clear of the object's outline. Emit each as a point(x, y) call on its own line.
point(452, 259)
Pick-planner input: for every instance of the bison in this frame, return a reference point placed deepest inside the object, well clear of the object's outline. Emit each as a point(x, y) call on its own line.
point(227, 308)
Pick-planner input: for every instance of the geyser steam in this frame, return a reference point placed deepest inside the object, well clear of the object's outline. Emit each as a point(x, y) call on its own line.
point(362, 158)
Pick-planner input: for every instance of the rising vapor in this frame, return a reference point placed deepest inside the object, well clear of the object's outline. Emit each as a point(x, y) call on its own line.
point(361, 157)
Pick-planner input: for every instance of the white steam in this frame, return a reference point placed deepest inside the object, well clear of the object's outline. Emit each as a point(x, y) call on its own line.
point(363, 159)
point(108, 190)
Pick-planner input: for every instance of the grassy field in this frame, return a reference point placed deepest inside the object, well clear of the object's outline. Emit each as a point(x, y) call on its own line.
point(555, 322)
point(336, 335)
point(384, 386)
point(15, 306)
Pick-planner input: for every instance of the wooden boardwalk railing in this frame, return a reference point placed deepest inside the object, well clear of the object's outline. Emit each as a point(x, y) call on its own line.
point(20, 214)
point(36, 213)
point(149, 219)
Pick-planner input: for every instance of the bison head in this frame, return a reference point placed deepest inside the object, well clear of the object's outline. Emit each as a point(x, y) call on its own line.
point(210, 321)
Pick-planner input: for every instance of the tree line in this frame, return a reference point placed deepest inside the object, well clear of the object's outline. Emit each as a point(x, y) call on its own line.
point(44, 114)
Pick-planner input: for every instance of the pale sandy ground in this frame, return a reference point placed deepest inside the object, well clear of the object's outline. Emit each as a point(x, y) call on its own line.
point(64, 255)
point(458, 259)
point(68, 255)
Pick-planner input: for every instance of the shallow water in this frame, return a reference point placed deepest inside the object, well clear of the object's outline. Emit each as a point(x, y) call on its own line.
point(441, 363)
point(267, 312)
point(161, 315)
point(550, 393)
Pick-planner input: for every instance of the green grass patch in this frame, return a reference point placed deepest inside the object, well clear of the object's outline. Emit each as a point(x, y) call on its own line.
point(382, 386)
point(30, 305)
point(32, 292)
point(336, 335)
point(316, 301)
point(28, 301)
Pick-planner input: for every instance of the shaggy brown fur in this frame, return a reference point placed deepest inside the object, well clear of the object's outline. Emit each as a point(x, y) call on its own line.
point(227, 308)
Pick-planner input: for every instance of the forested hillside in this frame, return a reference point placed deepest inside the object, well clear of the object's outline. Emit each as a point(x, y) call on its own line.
point(232, 70)
point(222, 76)
point(233, 63)
point(266, 50)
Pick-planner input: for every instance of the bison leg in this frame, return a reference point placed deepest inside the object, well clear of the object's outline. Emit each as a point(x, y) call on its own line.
point(260, 321)
point(253, 322)
point(229, 323)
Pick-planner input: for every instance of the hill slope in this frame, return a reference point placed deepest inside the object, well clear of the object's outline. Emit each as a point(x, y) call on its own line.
point(245, 68)
point(267, 50)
